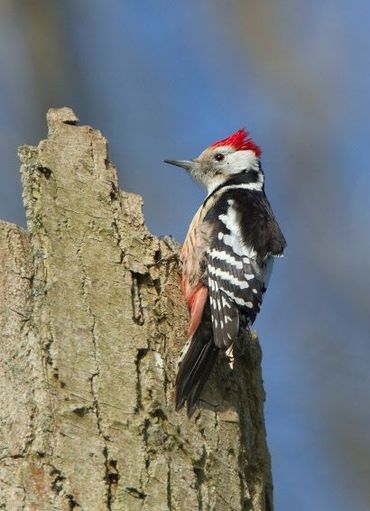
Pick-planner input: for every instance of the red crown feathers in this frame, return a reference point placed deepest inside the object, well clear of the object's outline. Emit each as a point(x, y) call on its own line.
point(240, 141)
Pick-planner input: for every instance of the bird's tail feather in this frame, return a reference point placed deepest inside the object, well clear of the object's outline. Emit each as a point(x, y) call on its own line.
point(196, 365)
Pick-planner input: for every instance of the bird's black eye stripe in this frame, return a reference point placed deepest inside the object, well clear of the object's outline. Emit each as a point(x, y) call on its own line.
point(219, 156)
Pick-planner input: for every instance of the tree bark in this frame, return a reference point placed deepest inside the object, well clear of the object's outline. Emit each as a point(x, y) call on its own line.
point(92, 322)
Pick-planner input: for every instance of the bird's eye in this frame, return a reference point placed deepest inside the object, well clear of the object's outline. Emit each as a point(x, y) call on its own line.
point(219, 156)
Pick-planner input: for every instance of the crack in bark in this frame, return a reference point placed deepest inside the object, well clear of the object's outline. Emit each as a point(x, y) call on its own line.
point(72, 503)
point(58, 482)
point(118, 234)
point(217, 429)
point(57, 485)
point(112, 477)
point(200, 476)
point(147, 460)
point(141, 352)
point(134, 492)
point(136, 300)
point(169, 494)
point(45, 171)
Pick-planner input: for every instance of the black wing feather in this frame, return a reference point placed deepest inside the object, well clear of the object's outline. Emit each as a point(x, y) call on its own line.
point(259, 227)
point(236, 273)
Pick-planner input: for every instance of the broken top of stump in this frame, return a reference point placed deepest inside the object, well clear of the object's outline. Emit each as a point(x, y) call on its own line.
point(57, 116)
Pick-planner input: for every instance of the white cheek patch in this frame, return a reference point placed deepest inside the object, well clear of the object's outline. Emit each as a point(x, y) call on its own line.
point(240, 160)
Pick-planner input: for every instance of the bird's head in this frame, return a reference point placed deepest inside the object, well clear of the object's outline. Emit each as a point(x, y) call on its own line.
point(224, 159)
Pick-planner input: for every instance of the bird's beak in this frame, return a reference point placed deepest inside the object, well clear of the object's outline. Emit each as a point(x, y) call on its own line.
point(185, 164)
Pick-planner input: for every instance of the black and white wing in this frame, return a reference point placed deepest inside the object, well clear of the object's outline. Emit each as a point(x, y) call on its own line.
point(235, 292)
point(246, 236)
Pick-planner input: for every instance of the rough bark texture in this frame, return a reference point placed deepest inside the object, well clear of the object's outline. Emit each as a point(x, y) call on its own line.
point(92, 322)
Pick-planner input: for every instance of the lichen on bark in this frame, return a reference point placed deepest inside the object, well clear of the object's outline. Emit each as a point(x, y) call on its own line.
point(92, 322)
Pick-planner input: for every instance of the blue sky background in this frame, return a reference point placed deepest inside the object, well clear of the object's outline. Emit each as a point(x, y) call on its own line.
point(165, 79)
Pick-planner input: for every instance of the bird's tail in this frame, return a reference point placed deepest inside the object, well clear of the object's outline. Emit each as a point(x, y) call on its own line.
point(196, 365)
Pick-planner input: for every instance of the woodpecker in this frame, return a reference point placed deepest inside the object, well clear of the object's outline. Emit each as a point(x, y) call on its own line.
point(227, 256)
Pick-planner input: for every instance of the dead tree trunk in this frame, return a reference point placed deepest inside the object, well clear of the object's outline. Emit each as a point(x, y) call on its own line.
point(92, 321)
